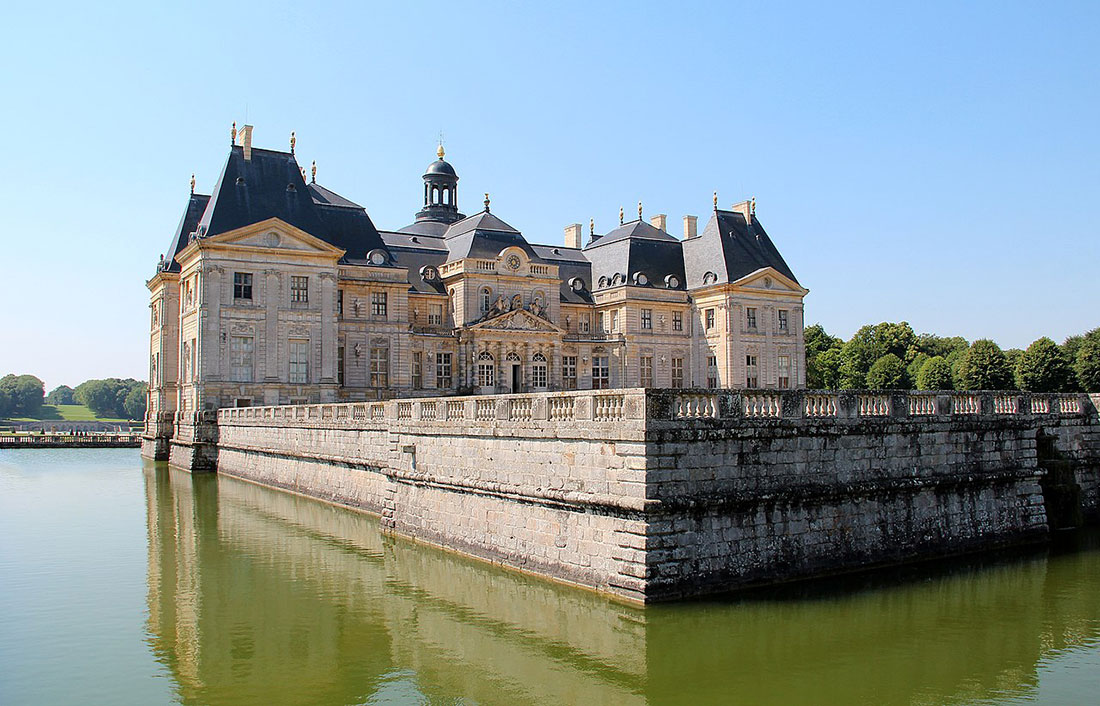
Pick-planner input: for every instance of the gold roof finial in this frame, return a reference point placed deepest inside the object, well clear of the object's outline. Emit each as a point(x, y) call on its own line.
point(486, 198)
point(754, 205)
point(233, 134)
point(591, 226)
point(313, 172)
point(292, 141)
point(439, 152)
point(639, 210)
point(192, 183)
point(620, 215)
point(715, 200)
point(303, 171)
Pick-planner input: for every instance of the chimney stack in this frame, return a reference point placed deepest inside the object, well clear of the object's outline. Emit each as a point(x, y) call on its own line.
point(246, 142)
point(573, 236)
point(691, 227)
point(744, 208)
point(660, 222)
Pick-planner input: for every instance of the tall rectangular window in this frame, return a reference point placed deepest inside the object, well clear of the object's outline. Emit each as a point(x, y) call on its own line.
point(486, 299)
point(242, 286)
point(240, 358)
point(378, 304)
point(645, 368)
point(615, 320)
point(677, 321)
point(709, 316)
point(443, 370)
point(712, 371)
point(752, 377)
point(569, 372)
point(784, 372)
point(435, 315)
point(647, 319)
point(603, 322)
point(585, 323)
point(677, 372)
point(339, 302)
point(340, 363)
point(601, 372)
point(417, 370)
point(539, 376)
point(299, 361)
point(379, 367)
point(750, 318)
point(299, 289)
point(783, 320)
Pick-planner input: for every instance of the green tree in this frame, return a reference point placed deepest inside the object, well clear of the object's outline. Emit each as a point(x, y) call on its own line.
point(887, 373)
point(62, 394)
point(1043, 368)
point(818, 342)
point(1087, 365)
point(868, 345)
point(107, 397)
point(935, 345)
point(985, 367)
point(828, 368)
point(25, 395)
point(135, 402)
point(912, 368)
point(935, 374)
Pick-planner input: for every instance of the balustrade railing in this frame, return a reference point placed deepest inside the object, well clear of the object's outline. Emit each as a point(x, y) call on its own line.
point(606, 406)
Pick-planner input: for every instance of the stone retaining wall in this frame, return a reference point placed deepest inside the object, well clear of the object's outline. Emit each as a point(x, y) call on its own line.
point(656, 494)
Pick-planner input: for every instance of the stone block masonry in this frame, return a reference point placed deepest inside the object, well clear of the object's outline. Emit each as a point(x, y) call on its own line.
point(661, 494)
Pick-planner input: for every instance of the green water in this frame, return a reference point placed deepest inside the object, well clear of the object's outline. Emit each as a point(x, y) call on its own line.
point(126, 583)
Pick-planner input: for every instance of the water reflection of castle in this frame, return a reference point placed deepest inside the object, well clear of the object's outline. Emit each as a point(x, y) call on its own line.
point(260, 596)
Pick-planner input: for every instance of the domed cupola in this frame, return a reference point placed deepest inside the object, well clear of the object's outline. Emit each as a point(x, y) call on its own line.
point(440, 193)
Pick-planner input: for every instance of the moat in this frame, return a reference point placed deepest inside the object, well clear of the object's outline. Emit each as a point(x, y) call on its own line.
point(122, 581)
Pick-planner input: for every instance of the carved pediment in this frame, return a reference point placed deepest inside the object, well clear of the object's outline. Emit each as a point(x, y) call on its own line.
point(768, 278)
point(518, 320)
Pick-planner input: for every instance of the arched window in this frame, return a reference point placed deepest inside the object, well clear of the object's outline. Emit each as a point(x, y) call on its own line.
point(435, 194)
point(538, 371)
point(486, 370)
point(446, 196)
point(486, 299)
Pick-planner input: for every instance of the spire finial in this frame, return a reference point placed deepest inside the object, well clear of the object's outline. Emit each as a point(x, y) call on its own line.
point(293, 140)
point(303, 171)
point(591, 226)
point(486, 197)
point(192, 182)
point(233, 134)
point(313, 172)
point(753, 205)
point(620, 215)
point(715, 200)
point(639, 210)
point(439, 152)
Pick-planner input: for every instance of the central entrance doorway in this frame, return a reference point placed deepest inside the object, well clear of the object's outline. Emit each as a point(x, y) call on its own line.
point(517, 372)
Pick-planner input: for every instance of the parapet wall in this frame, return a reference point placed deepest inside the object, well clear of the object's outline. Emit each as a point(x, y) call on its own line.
point(655, 494)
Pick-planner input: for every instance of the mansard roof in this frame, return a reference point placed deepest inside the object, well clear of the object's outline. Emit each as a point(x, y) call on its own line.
point(324, 196)
point(572, 264)
point(187, 225)
point(731, 247)
point(637, 248)
point(414, 252)
point(484, 235)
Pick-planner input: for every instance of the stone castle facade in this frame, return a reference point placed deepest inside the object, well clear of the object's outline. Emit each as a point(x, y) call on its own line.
point(276, 290)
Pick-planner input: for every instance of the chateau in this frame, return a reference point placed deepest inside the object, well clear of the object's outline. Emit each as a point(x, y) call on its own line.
point(275, 290)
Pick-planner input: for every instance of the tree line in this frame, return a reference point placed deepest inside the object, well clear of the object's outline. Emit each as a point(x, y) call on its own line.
point(891, 356)
point(24, 396)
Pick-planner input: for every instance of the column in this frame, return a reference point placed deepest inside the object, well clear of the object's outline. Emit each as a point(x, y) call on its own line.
point(328, 328)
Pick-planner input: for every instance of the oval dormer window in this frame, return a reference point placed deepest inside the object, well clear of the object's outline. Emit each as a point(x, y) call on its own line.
point(641, 279)
point(603, 282)
point(377, 257)
point(429, 273)
point(576, 284)
point(617, 279)
point(672, 282)
point(710, 278)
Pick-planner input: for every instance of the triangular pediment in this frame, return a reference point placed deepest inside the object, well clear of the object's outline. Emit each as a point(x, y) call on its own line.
point(275, 234)
point(518, 320)
point(769, 279)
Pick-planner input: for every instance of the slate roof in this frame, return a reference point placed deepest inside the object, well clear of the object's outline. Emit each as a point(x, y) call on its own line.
point(484, 235)
point(187, 225)
point(637, 247)
point(571, 263)
point(414, 252)
point(731, 247)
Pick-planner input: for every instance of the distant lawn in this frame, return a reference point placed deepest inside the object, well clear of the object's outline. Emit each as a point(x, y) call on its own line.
point(66, 413)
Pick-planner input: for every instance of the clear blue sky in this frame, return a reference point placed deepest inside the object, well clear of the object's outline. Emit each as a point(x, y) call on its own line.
point(937, 163)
